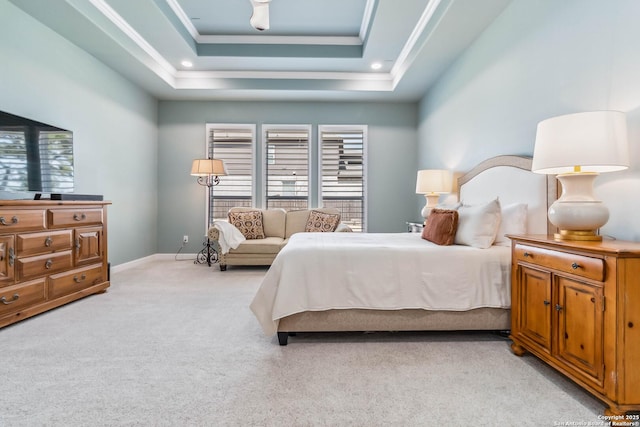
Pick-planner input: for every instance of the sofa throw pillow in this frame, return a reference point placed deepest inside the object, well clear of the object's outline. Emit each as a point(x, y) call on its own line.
point(249, 223)
point(321, 222)
point(441, 226)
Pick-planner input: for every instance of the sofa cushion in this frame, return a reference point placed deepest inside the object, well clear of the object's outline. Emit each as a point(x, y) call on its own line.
point(268, 245)
point(273, 220)
point(297, 220)
point(322, 222)
point(249, 223)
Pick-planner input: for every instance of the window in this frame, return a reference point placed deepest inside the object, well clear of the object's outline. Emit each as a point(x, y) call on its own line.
point(342, 172)
point(286, 168)
point(233, 144)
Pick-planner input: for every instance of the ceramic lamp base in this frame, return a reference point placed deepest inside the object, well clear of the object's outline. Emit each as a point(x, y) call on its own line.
point(577, 214)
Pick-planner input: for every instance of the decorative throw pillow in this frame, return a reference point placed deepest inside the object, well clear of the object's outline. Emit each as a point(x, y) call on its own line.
point(441, 226)
point(319, 221)
point(513, 221)
point(478, 224)
point(249, 223)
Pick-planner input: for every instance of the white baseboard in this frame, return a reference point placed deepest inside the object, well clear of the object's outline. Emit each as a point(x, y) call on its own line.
point(154, 257)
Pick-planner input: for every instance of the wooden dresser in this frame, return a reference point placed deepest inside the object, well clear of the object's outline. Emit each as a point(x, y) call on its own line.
point(576, 306)
point(51, 253)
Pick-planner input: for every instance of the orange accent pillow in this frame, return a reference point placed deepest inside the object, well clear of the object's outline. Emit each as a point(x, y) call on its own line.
point(441, 227)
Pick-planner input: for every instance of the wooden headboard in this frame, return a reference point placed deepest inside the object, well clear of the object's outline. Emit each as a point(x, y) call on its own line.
point(510, 179)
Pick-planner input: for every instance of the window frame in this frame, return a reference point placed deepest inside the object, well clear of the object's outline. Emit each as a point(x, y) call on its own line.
point(365, 144)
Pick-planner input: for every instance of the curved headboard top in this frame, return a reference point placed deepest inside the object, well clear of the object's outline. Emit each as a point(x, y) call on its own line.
point(509, 178)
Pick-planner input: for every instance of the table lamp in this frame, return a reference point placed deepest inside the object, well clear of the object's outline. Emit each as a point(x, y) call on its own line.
point(432, 183)
point(577, 147)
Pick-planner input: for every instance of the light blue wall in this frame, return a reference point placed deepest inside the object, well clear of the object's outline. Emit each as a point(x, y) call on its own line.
point(391, 157)
point(540, 59)
point(46, 78)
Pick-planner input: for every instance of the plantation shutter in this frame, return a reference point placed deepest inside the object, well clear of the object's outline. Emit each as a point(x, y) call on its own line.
point(235, 147)
point(287, 168)
point(342, 173)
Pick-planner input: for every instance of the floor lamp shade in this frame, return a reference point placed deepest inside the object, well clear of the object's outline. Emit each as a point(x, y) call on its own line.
point(206, 167)
point(432, 183)
point(577, 147)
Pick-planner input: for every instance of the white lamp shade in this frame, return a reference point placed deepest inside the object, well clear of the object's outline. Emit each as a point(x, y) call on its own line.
point(595, 141)
point(206, 167)
point(437, 181)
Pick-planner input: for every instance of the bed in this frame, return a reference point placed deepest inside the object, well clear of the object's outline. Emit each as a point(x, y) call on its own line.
point(330, 282)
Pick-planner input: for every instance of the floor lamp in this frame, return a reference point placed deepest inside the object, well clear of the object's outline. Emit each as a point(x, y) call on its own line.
point(208, 172)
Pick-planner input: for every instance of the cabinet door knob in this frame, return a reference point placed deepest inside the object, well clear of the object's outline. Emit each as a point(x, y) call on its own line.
point(558, 307)
point(546, 302)
point(575, 266)
point(527, 255)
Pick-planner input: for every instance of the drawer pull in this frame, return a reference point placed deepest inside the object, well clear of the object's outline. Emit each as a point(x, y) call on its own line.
point(48, 241)
point(546, 302)
point(3, 221)
point(5, 302)
point(527, 255)
point(558, 307)
point(79, 217)
point(575, 266)
point(82, 278)
point(48, 264)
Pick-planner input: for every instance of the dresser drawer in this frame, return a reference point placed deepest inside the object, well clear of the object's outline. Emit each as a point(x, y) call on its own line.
point(14, 298)
point(76, 280)
point(74, 217)
point(580, 265)
point(21, 219)
point(35, 266)
point(42, 243)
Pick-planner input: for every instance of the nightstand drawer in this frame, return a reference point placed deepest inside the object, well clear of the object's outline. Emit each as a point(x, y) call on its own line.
point(584, 266)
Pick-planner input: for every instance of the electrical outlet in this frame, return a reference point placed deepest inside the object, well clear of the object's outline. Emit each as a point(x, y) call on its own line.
point(185, 239)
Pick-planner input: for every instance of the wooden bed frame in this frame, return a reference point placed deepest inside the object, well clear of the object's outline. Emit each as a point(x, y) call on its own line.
point(496, 319)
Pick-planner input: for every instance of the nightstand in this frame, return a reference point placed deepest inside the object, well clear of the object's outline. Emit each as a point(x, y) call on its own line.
point(414, 227)
point(576, 306)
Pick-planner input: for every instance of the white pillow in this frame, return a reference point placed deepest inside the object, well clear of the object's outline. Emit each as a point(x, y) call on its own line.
point(513, 221)
point(478, 224)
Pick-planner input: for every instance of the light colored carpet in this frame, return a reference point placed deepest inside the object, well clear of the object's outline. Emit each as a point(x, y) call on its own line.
point(174, 344)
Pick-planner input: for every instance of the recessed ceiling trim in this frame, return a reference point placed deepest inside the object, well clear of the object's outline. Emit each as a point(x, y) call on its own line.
point(182, 16)
point(404, 61)
point(128, 30)
point(282, 40)
point(366, 19)
point(287, 75)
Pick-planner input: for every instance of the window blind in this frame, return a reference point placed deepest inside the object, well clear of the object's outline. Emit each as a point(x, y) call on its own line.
point(235, 147)
point(342, 174)
point(13, 160)
point(287, 168)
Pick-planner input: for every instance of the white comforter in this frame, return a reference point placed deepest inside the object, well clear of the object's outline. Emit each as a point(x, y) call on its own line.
point(385, 271)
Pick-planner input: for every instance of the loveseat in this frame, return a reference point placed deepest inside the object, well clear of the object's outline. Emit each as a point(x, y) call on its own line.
point(277, 226)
